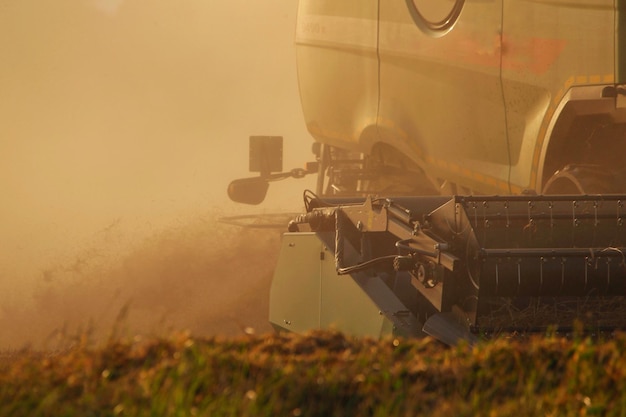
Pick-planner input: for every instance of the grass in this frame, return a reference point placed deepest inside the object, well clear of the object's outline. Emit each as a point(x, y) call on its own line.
point(319, 374)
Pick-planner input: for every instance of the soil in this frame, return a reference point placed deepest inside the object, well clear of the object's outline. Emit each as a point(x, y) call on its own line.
point(205, 277)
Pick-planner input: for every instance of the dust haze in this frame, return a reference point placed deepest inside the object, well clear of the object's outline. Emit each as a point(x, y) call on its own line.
point(121, 124)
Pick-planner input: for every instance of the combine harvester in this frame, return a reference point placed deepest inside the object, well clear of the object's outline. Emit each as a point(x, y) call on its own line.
point(470, 169)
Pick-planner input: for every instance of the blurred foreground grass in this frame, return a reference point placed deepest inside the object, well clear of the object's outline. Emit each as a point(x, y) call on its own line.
point(319, 374)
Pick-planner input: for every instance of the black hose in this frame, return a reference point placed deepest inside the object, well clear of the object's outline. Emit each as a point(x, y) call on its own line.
point(366, 265)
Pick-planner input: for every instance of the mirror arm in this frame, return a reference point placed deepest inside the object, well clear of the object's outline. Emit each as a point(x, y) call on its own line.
point(254, 189)
point(294, 173)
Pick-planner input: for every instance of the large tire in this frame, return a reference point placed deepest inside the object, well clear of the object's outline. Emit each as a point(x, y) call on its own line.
point(581, 179)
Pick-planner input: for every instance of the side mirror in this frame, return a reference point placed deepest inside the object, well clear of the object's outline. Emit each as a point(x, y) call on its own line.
point(266, 158)
point(248, 190)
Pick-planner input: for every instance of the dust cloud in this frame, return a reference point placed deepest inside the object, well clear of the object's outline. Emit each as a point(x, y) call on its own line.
point(121, 124)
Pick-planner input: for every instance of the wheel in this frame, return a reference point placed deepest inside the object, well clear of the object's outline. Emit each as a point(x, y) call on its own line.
point(581, 179)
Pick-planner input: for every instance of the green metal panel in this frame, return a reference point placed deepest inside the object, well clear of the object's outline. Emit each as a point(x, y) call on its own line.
point(307, 293)
point(295, 290)
point(549, 48)
point(336, 46)
point(474, 105)
point(441, 97)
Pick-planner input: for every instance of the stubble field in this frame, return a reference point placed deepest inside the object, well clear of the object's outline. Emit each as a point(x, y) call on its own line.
point(178, 327)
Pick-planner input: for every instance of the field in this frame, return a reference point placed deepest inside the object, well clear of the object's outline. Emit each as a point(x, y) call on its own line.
point(83, 357)
point(319, 374)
